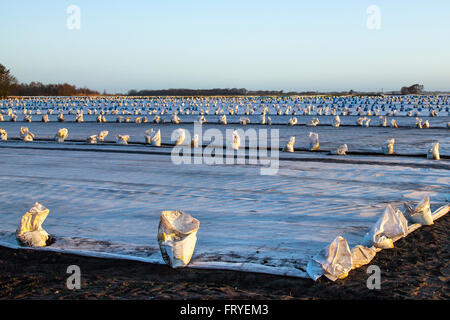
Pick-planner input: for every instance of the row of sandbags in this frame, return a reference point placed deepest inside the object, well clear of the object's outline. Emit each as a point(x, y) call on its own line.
point(364, 122)
point(151, 137)
point(177, 234)
point(336, 260)
point(386, 148)
point(154, 138)
point(177, 237)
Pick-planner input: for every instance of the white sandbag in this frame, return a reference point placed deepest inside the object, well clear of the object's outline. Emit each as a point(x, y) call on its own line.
point(419, 123)
point(336, 121)
point(3, 135)
point(79, 118)
point(61, 135)
point(313, 141)
point(289, 147)
point(92, 139)
point(421, 213)
point(122, 139)
point(341, 150)
point(30, 231)
point(314, 122)
point(392, 224)
point(26, 135)
point(102, 135)
point(334, 261)
point(175, 119)
point(433, 151)
point(177, 236)
point(23, 132)
point(362, 255)
point(244, 120)
point(388, 146)
point(181, 134)
point(156, 139)
point(236, 140)
point(293, 121)
point(45, 118)
point(148, 136)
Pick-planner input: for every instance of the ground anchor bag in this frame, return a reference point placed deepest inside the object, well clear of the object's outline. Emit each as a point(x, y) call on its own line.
point(30, 232)
point(421, 214)
point(392, 224)
point(334, 261)
point(177, 236)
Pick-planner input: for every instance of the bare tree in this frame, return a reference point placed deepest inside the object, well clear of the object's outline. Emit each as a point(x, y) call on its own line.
point(7, 81)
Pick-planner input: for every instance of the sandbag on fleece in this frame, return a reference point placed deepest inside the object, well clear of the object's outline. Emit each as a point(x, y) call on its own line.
point(122, 139)
point(313, 141)
point(92, 139)
point(177, 236)
point(148, 136)
point(156, 138)
point(392, 224)
point(61, 135)
point(25, 134)
point(334, 261)
point(362, 255)
point(433, 151)
point(30, 232)
point(289, 147)
point(341, 150)
point(102, 135)
point(3, 135)
point(421, 214)
point(388, 146)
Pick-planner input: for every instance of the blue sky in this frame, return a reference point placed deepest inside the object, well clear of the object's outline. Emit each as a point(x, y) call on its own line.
point(280, 45)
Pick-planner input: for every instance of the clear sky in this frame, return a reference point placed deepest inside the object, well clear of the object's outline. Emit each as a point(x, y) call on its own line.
point(253, 44)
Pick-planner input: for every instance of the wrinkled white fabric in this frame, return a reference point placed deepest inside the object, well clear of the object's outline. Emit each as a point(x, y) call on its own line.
point(362, 255)
point(30, 232)
point(433, 151)
point(392, 224)
point(388, 146)
point(122, 139)
point(290, 145)
point(313, 141)
point(156, 139)
point(177, 236)
point(62, 135)
point(421, 213)
point(341, 150)
point(334, 261)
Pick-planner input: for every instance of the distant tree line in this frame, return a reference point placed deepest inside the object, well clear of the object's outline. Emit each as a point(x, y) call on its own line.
point(203, 92)
point(40, 89)
point(10, 86)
